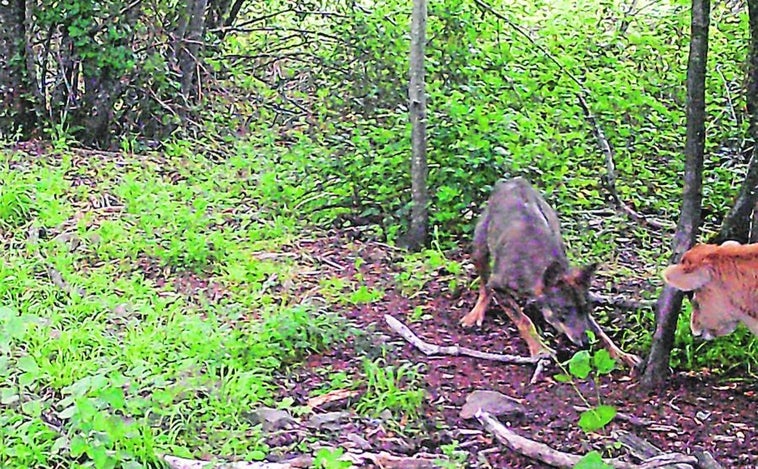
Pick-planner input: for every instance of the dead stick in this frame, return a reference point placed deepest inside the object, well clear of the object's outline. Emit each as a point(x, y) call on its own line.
point(670, 461)
point(538, 371)
point(651, 455)
point(534, 449)
point(706, 460)
point(621, 302)
point(610, 171)
point(453, 350)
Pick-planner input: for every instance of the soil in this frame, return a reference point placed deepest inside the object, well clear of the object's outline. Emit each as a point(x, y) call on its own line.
point(696, 411)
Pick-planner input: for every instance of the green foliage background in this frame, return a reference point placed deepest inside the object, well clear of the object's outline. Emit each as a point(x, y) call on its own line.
point(500, 106)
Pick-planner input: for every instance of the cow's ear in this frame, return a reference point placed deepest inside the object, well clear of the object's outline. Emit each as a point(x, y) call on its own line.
point(686, 279)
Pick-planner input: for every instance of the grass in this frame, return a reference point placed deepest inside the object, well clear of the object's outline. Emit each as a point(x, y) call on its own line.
point(115, 363)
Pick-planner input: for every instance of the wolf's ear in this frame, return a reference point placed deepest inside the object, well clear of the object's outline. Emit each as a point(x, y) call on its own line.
point(686, 279)
point(583, 276)
point(552, 274)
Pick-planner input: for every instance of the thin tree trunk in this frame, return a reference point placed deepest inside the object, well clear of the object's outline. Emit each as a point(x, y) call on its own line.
point(417, 232)
point(737, 223)
point(216, 14)
point(752, 66)
point(670, 301)
point(189, 51)
point(17, 113)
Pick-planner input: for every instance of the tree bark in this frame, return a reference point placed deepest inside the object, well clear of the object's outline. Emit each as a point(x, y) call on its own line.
point(189, 50)
point(417, 232)
point(16, 107)
point(670, 301)
point(737, 223)
point(216, 15)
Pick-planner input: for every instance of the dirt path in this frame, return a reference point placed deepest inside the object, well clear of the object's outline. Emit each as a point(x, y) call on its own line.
point(695, 412)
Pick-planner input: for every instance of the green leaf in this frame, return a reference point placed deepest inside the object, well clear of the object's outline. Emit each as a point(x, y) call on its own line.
point(114, 397)
point(28, 365)
point(592, 460)
point(32, 408)
point(596, 418)
point(257, 455)
point(78, 446)
point(603, 362)
point(67, 413)
point(562, 378)
point(8, 396)
point(579, 365)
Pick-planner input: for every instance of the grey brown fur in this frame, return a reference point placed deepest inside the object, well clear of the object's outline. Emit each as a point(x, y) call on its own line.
point(519, 253)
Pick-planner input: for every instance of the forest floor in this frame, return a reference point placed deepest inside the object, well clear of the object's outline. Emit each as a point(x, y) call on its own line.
point(187, 291)
point(695, 412)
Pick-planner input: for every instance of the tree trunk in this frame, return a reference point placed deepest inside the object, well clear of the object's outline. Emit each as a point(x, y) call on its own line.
point(737, 223)
point(417, 232)
point(216, 15)
point(16, 106)
point(189, 49)
point(670, 301)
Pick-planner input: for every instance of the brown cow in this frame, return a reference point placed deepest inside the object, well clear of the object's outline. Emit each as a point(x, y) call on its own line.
point(725, 283)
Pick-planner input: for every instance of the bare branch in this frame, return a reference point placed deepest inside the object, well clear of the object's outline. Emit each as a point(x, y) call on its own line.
point(454, 350)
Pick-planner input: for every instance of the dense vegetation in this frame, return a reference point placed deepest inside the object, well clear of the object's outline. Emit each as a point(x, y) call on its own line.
point(302, 124)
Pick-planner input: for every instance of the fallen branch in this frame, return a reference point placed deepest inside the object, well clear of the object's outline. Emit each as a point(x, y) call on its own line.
point(383, 460)
point(454, 350)
point(175, 462)
point(536, 450)
point(651, 456)
point(669, 461)
point(621, 302)
point(649, 453)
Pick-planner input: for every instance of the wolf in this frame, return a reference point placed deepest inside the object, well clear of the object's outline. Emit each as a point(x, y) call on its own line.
point(519, 253)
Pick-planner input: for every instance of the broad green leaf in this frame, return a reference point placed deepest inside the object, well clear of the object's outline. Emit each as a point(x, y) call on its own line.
point(579, 365)
point(78, 446)
point(596, 418)
point(603, 362)
point(592, 460)
point(28, 364)
point(8, 396)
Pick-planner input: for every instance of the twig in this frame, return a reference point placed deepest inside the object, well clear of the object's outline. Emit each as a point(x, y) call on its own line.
point(669, 461)
point(621, 302)
point(454, 350)
point(538, 371)
point(728, 95)
point(610, 168)
point(175, 462)
point(646, 451)
point(534, 449)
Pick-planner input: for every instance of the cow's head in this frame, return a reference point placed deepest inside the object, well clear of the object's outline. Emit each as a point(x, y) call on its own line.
point(711, 311)
point(711, 318)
